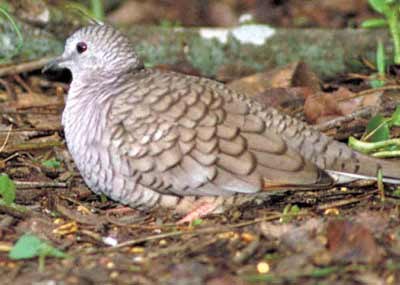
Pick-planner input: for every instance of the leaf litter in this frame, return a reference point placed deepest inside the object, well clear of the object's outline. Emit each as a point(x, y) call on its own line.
point(340, 235)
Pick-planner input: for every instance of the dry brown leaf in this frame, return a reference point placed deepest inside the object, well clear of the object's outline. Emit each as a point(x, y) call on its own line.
point(352, 242)
point(322, 107)
point(284, 97)
point(293, 75)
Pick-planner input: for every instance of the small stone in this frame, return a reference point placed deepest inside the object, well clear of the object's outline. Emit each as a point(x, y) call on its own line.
point(110, 265)
point(263, 267)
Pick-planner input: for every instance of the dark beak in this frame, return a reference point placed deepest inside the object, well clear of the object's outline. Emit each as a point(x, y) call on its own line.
point(53, 64)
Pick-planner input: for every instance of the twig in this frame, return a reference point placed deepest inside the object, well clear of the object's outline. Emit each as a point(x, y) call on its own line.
point(40, 184)
point(371, 91)
point(175, 249)
point(6, 222)
point(19, 80)
point(8, 88)
point(210, 230)
point(92, 220)
point(344, 202)
point(14, 210)
point(32, 132)
point(24, 67)
point(133, 220)
point(381, 187)
point(6, 140)
point(340, 120)
point(247, 252)
point(32, 146)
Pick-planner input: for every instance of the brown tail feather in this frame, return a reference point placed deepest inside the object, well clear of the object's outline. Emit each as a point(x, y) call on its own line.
point(325, 180)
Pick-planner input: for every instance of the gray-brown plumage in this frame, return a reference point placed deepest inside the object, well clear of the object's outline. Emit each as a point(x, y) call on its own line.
point(145, 137)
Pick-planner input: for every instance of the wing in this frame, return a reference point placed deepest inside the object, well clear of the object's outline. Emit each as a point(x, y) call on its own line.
point(191, 136)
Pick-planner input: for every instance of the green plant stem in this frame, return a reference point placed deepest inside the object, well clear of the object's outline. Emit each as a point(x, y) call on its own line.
point(16, 29)
point(97, 9)
point(368, 147)
point(42, 262)
point(381, 187)
point(387, 154)
point(393, 19)
point(381, 60)
point(13, 206)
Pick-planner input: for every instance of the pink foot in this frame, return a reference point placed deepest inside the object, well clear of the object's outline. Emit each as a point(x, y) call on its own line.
point(200, 211)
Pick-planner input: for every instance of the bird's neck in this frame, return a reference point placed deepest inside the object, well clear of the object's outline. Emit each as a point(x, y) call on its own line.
point(85, 111)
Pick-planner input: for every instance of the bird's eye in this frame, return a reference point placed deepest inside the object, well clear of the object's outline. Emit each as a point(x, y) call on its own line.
point(81, 47)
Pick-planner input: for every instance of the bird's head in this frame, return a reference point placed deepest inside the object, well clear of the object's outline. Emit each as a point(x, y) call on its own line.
point(97, 49)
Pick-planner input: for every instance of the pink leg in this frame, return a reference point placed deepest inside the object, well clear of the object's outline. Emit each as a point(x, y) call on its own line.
point(199, 211)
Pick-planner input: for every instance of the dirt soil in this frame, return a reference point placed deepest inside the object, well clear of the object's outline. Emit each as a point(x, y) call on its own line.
point(344, 235)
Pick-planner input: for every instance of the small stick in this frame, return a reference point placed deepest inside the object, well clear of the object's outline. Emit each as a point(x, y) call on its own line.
point(22, 83)
point(336, 122)
point(40, 184)
point(24, 67)
point(8, 88)
point(247, 252)
point(381, 187)
point(344, 202)
point(210, 230)
point(91, 220)
point(32, 132)
point(6, 140)
point(14, 210)
point(32, 146)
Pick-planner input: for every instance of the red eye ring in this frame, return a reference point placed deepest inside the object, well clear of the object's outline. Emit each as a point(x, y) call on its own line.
point(81, 47)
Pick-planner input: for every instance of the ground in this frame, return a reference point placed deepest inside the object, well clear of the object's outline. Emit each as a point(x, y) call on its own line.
point(345, 235)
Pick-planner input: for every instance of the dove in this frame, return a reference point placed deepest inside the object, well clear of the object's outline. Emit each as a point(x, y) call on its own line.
point(149, 138)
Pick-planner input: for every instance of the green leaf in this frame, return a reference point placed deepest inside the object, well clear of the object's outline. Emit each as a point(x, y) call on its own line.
point(167, 24)
point(377, 129)
point(378, 5)
point(374, 23)
point(7, 189)
point(51, 163)
point(376, 83)
point(272, 256)
point(395, 119)
point(381, 59)
point(29, 246)
point(103, 198)
point(48, 250)
point(197, 222)
point(289, 212)
point(322, 272)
